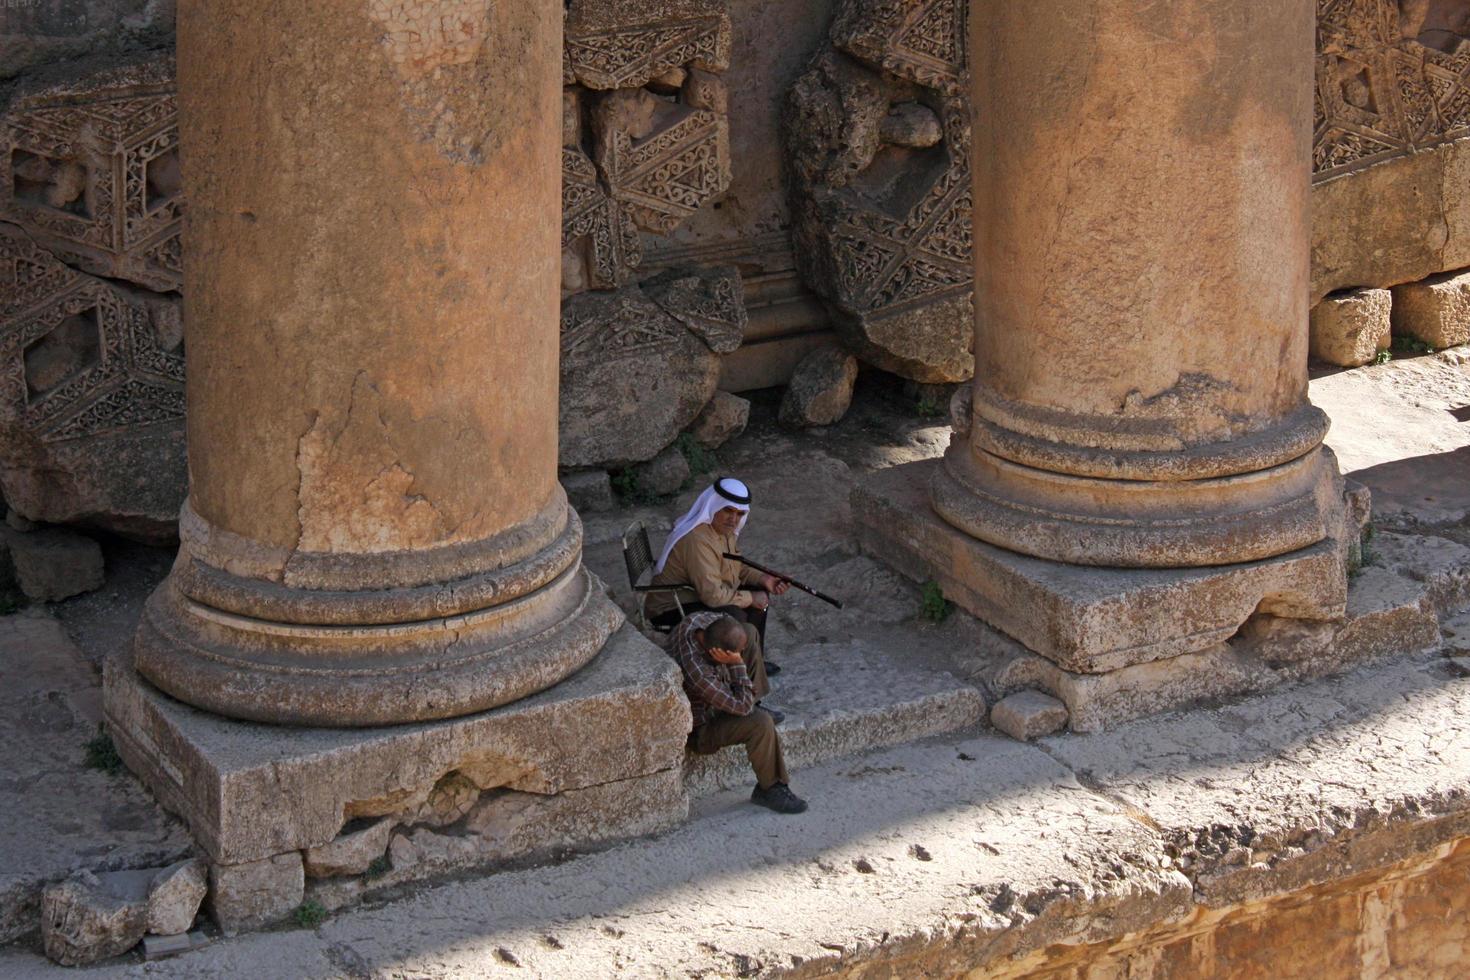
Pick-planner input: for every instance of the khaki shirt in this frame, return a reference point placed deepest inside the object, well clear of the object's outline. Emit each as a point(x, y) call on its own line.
point(697, 560)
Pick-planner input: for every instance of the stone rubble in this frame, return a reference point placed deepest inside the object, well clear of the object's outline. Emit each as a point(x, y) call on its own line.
point(53, 563)
point(90, 917)
point(723, 419)
point(821, 388)
point(1435, 311)
point(255, 893)
point(1349, 329)
point(174, 897)
point(1029, 715)
point(664, 474)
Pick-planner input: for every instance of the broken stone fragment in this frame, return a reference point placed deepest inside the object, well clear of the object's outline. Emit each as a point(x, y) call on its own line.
point(256, 893)
point(723, 419)
point(1435, 311)
point(451, 798)
point(710, 301)
point(589, 491)
point(91, 917)
point(1028, 715)
point(911, 124)
point(664, 474)
point(821, 388)
point(52, 563)
point(1349, 329)
point(174, 897)
point(350, 853)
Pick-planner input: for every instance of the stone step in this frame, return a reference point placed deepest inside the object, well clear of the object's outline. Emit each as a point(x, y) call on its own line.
point(842, 699)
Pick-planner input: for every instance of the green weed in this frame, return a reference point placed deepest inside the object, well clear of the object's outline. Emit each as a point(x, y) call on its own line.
point(102, 753)
point(933, 606)
point(700, 459)
point(310, 914)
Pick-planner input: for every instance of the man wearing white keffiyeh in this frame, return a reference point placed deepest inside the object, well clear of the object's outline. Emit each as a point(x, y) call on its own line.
point(693, 556)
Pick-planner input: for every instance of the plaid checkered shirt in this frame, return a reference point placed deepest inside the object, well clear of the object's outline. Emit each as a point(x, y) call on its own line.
point(711, 687)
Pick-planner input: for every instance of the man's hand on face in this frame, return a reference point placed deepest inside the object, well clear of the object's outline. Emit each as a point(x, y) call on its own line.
point(774, 585)
point(727, 657)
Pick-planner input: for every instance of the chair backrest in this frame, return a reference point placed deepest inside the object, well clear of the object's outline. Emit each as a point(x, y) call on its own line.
point(637, 552)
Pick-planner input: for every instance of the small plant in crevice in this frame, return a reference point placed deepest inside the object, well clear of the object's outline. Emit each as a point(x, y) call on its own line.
point(102, 753)
point(628, 489)
point(379, 867)
point(933, 606)
point(1411, 346)
point(310, 914)
point(1363, 555)
point(929, 407)
point(700, 459)
point(1383, 356)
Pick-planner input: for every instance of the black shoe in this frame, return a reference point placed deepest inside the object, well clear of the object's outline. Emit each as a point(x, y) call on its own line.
point(779, 798)
point(776, 714)
point(772, 668)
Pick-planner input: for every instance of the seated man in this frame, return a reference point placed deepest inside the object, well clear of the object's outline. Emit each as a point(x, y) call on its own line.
point(709, 648)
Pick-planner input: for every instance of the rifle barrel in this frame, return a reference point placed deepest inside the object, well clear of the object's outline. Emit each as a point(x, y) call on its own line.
point(785, 578)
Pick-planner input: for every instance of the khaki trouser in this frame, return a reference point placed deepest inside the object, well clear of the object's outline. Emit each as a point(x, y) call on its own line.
point(757, 732)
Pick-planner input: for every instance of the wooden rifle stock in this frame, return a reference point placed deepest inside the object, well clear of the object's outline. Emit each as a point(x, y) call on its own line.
point(785, 578)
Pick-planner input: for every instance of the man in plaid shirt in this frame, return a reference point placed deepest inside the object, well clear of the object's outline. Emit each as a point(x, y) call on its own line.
point(709, 648)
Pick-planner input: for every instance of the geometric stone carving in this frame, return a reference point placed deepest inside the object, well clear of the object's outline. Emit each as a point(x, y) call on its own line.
point(612, 44)
point(645, 137)
point(877, 134)
point(90, 169)
point(91, 396)
point(1393, 76)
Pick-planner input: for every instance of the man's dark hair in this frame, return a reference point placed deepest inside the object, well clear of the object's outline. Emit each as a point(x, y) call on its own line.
point(726, 633)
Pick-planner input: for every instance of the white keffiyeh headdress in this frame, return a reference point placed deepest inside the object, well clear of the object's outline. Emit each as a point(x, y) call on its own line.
point(724, 492)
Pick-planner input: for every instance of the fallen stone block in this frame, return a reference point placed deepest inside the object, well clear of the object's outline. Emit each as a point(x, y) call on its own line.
point(91, 917)
point(1435, 311)
point(256, 893)
point(1349, 329)
point(174, 897)
point(723, 419)
point(53, 564)
point(1028, 715)
point(664, 474)
point(589, 491)
point(351, 853)
point(821, 388)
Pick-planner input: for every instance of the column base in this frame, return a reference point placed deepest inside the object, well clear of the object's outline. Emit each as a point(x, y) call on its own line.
point(598, 757)
point(1089, 620)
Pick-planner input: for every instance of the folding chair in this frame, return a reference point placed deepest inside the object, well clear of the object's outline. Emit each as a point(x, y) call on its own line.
point(638, 556)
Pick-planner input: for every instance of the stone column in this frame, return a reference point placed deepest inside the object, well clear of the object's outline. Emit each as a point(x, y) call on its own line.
point(1142, 230)
point(374, 532)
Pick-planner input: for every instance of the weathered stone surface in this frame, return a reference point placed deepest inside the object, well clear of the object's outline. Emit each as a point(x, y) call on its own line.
point(90, 917)
point(632, 378)
point(52, 563)
point(721, 420)
point(881, 187)
point(350, 853)
point(89, 168)
point(92, 397)
point(664, 474)
point(589, 491)
point(1028, 715)
point(1089, 620)
point(1435, 311)
point(255, 893)
point(228, 779)
point(174, 897)
point(37, 35)
point(1349, 329)
point(820, 389)
point(612, 44)
point(506, 825)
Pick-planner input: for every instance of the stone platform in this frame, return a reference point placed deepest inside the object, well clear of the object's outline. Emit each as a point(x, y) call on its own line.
point(594, 759)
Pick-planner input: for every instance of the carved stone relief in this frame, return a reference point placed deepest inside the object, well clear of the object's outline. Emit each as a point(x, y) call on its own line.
point(645, 145)
point(1393, 76)
point(90, 168)
point(91, 396)
point(92, 369)
point(877, 137)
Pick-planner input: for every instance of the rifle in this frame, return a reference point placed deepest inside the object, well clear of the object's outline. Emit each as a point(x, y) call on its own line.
point(785, 578)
